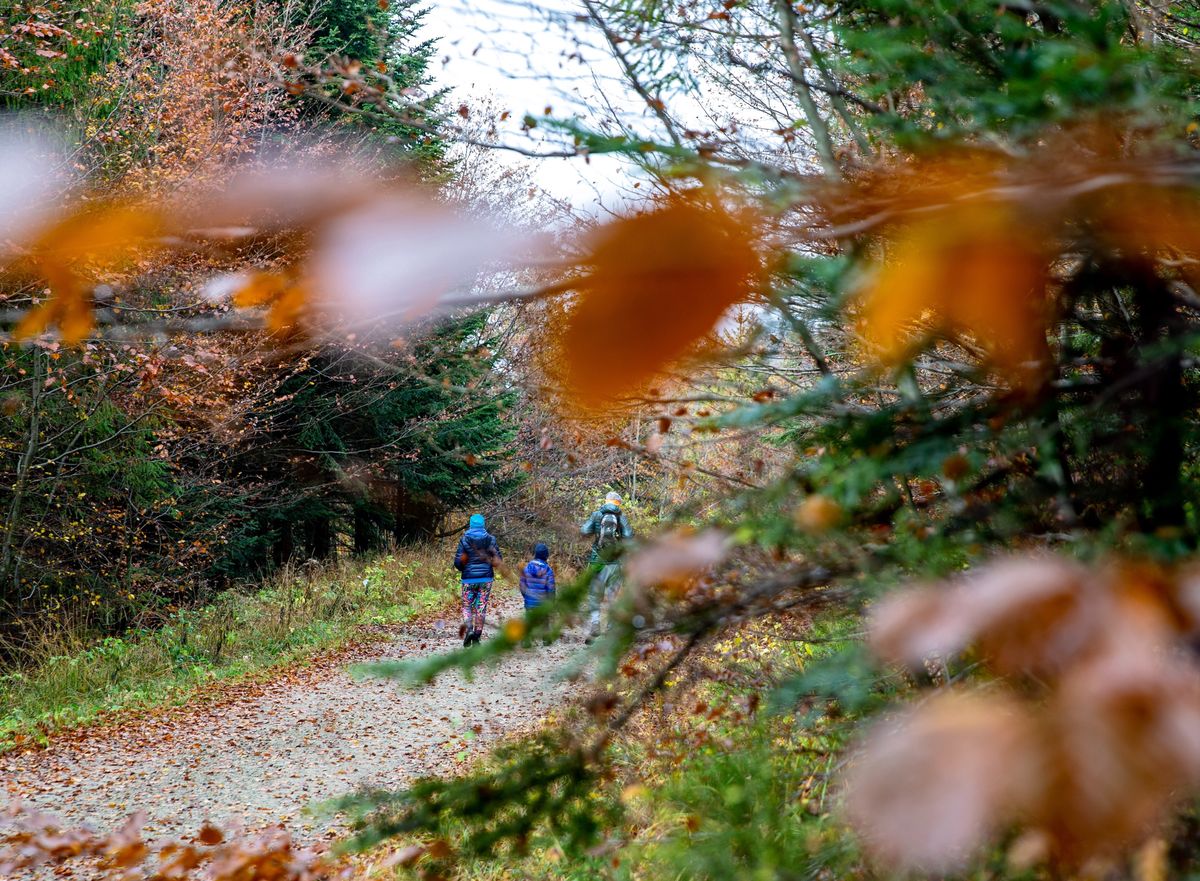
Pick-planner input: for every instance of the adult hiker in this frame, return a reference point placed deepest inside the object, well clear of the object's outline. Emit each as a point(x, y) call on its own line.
point(476, 558)
point(609, 527)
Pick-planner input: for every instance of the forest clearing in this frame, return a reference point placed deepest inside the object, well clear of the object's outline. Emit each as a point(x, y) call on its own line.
point(619, 439)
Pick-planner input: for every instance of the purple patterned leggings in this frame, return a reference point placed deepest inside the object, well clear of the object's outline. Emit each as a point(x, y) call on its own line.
point(474, 604)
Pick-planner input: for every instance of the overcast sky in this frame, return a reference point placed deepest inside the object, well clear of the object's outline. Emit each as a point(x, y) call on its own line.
point(527, 58)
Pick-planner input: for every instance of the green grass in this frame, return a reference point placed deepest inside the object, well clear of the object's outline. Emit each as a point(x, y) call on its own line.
point(70, 679)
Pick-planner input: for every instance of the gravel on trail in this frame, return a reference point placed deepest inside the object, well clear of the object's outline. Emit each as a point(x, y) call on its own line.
point(257, 760)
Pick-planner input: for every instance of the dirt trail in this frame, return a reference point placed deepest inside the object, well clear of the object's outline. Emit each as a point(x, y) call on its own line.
point(260, 759)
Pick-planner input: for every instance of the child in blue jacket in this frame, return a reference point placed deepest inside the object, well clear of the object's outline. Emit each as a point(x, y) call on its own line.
point(537, 579)
point(476, 558)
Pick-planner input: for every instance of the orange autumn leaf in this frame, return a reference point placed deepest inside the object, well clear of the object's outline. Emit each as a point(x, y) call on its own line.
point(59, 254)
point(973, 271)
point(658, 283)
point(285, 297)
point(259, 289)
point(1151, 221)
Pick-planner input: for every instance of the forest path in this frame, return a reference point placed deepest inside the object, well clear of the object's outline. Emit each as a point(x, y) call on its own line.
point(301, 738)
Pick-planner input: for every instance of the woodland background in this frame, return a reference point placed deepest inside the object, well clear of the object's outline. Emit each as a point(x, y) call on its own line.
point(905, 292)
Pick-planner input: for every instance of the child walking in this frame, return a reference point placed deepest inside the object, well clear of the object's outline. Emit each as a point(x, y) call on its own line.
point(537, 579)
point(477, 554)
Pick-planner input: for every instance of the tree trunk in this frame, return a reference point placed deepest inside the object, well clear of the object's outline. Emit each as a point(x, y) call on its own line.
point(285, 544)
point(7, 568)
point(364, 532)
point(318, 539)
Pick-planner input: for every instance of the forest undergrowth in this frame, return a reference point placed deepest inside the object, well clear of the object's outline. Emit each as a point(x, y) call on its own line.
point(71, 677)
point(709, 780)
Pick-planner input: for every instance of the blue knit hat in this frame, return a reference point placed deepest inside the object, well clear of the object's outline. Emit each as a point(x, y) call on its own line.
point(477, 521)
point(541, 552)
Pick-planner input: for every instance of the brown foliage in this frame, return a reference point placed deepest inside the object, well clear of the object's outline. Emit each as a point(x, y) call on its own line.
point(1108, 707)
point(656, 284)
point(36, 839)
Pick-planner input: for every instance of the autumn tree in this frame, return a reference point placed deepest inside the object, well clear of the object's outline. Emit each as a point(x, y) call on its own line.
point(967, 235)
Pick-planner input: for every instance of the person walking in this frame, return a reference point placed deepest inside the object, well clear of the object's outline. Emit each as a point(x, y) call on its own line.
point(609, 528)
point(537, 579)
point(476, 558)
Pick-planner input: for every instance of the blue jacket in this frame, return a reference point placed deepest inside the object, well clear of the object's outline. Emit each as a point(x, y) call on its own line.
point(537, 583)
point(476, 555)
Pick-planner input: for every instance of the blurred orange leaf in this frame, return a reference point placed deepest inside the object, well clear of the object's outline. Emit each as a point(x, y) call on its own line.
point(106, 235)
point(817, 513)
point(974, 271)
point(1150, 221)
point(286, 298)
point(657, 284)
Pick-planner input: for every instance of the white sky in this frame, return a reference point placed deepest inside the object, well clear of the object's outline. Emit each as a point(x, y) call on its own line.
point(525, 59)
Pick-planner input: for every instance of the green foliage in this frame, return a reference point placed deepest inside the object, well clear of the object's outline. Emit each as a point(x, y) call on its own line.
point(750, 812)
point(92, 508)
point(543, 785)
point(922, 467)
point(377, 448)
point(50, 53)
point(386, 37)
point(988, 73)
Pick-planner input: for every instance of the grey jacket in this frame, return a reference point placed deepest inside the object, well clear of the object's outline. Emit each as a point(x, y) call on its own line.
point(591, 526)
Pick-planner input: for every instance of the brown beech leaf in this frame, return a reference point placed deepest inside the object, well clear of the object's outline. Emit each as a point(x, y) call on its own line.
point(656, 285)
point(1026, 614)
point(1037, 614)
point(930, 785)
point(675, 559)
point(1126, 735)
point(909, 626)
point(210, 835)
point(125, 847)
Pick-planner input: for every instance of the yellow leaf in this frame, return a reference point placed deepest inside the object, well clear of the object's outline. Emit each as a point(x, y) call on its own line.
point(514, 630)
point(817, 513)
point(1151, 861)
